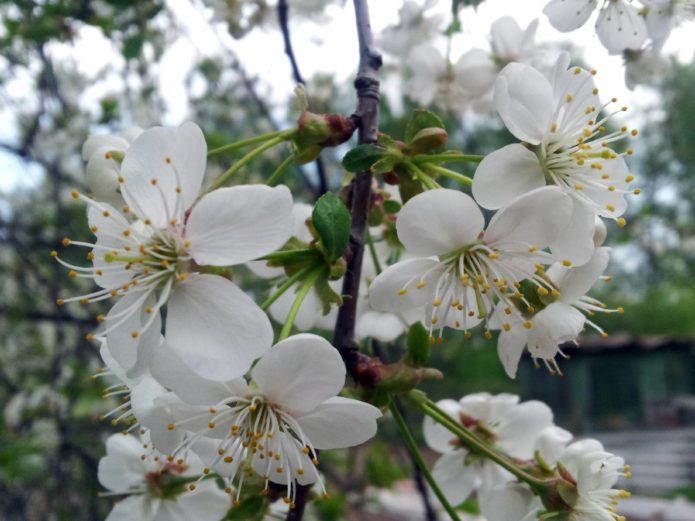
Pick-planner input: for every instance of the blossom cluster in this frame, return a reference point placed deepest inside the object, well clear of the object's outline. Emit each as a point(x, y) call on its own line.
point(527, 271)
point(637, 30)
point(582, 471)
point(163, 244)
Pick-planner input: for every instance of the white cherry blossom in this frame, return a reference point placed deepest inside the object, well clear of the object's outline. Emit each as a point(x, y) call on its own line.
point(565, 144)
point(460, 267)
point(562, 320)
point(619, 25)
point(500, 420)
point(149, 255)
point(133, 468)
point(415, 26)
point(664, 15)
point(275, 424)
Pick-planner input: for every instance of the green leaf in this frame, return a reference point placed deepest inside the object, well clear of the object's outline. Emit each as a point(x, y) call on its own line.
point(418, 345)
point(332, 222)
point(385, 164)
point(420, 119)
point(362, 157)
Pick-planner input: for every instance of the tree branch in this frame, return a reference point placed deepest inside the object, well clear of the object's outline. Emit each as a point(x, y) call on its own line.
point(367, 118)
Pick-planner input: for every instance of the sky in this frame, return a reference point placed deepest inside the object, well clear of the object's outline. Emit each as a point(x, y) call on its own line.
point(326, 47)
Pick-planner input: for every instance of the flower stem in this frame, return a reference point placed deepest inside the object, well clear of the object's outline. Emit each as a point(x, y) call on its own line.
point(473, 442)
point(463, 179)
point(301, 295)
point(273, 179)
point(220, 181)
point(415, 453)
point(448, 158)
point(372, 251)
point(284, 287)
point(427, 181)
point(250, 141)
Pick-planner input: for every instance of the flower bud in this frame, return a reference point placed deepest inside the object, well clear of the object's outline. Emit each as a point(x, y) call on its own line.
point(426, 140)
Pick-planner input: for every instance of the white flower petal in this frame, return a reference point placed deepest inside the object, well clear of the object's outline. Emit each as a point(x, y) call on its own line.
point(510, 502)
point(439, 221)
point(568, 15)
point(557, 323)
point(206, 503)
point(216, 329)
point(129, 344)
point(132, 508)
point(101, 175)
point(340, 422)
point(523, 98)
point(506, 174)
point(575, 241)
point(552, 442)
point(620, 26)
point(454, 477)
point(520, 428)
point(510, 346)
point(237, 224)
point(436, 435)
point(192, 388)
point(385, 327)
point(578, 281)
point(534, 218)
point(143, 396)
point(300, 372)
point(103, 143)
point(173, 158)
point(385, 292)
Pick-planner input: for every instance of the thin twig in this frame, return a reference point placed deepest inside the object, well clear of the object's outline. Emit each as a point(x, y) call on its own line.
point(283, 16)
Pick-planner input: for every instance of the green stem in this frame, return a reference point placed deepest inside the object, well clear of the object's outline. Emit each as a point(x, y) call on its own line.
point(289, 254)
point(372, 251)
point(250, 141)
point(448, 158)
point(273, 179)
point(474, 443)
point(427, 181)
point(301, 295)
point(285, 286)
point(415, 453)
point(220, 181)
point(463, 179)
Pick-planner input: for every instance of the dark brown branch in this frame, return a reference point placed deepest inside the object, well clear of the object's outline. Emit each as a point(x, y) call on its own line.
point(367, 117)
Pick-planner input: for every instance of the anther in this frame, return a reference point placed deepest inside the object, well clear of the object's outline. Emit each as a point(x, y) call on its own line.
point(75, 194)
point(134, 334)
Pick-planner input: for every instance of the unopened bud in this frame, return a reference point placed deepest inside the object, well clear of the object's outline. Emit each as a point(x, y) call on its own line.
point(426, 140)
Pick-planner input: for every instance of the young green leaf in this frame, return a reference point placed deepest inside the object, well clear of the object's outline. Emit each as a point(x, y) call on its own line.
point(332, 222)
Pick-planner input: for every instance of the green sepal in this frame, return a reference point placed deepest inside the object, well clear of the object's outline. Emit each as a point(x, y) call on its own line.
point(421, 119)
point(408, 187)
point(326, 295)
point(418, 345)
point(392, 206)
point(252, 508)
point(427, 140)
point(362, 157)
point(331, 220)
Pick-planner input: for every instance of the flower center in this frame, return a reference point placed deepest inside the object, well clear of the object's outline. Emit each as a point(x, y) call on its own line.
point(255, 436)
